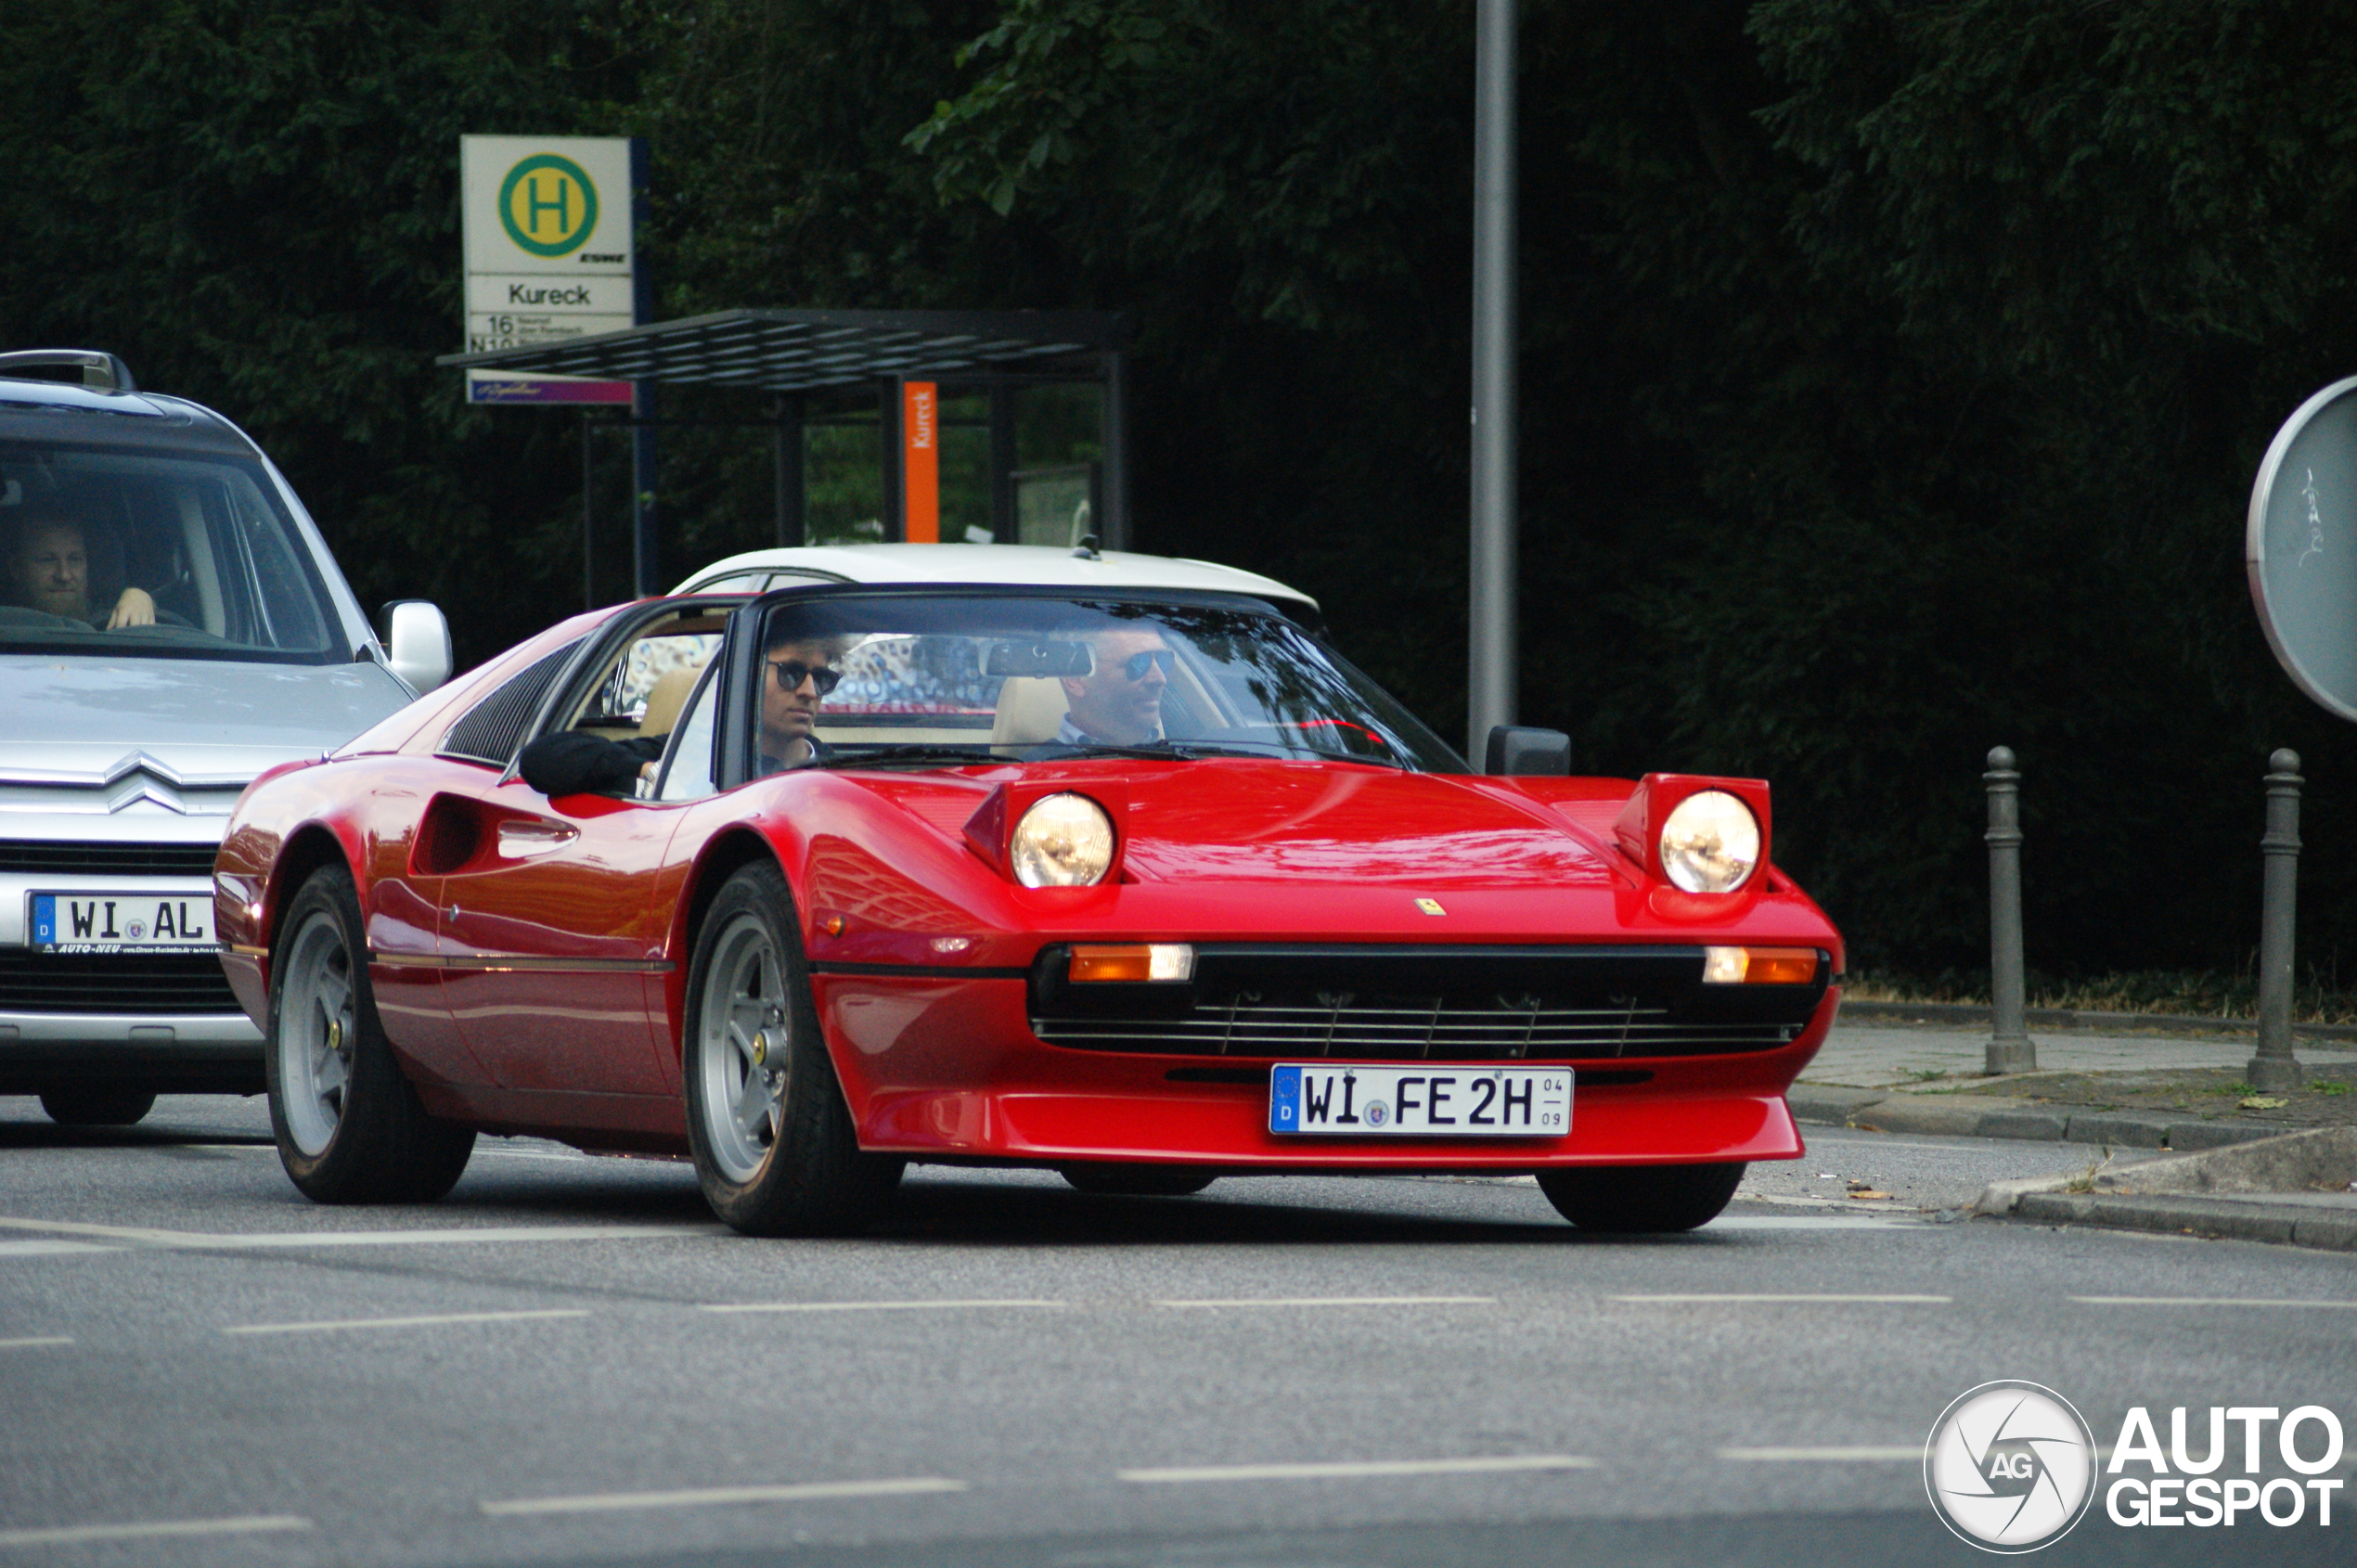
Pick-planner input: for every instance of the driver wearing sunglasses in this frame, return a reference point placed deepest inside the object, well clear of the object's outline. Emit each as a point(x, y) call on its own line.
point(1119, 701)
point(796, 676)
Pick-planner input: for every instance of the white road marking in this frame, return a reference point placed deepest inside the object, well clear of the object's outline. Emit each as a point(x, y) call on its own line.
point(2202, 1301)
point(72, 1535)
point(1823, 1455)
point(870, 1305)
point(199, 1240)
point(1335, 1300)
point(51, 1249)
point(1357, 1470)
point(1827, 1300)
point(1853, 1218)
point(35, 1343)
point(711, 1496)
point(434, 1320)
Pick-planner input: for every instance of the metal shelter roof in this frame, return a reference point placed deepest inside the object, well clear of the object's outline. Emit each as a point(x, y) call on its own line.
point(788, 351)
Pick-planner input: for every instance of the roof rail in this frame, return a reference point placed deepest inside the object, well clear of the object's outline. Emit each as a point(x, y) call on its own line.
point(93, 368)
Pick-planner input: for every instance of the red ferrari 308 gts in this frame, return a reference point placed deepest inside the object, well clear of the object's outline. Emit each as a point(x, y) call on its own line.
point(999, 855)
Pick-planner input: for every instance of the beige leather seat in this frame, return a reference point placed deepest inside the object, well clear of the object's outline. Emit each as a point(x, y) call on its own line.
point(1030, 710)
point(668, 696)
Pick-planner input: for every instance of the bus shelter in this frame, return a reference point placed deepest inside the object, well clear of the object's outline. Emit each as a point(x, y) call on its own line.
point(911, 362)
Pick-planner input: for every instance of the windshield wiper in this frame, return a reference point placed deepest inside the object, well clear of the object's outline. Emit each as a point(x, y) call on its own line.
point(1190, 751)
point(910, 751)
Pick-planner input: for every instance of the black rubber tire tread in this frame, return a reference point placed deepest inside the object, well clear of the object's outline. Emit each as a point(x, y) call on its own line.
point(1138, 1181)
point(385, 1148)
point(100, 1106)
point(1641, 1199)
point(814, 1180)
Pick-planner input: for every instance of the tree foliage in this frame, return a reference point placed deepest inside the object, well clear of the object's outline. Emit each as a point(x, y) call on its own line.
point(1893, 373)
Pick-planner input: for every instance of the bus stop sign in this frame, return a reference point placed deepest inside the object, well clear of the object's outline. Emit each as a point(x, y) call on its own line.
point(2302, 548)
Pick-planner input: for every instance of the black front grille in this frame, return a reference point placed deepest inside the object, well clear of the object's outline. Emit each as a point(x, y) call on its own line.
point(1427, 1005)
point(114, 983)
point(52, 858)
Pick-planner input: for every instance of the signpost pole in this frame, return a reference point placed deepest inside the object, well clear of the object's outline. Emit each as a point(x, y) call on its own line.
point(644, 459)
point(1492, 687)
point(588, 520)
point(791, 528)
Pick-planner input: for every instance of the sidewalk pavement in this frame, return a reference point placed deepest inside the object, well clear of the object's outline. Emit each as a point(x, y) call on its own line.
point(2123, 1091)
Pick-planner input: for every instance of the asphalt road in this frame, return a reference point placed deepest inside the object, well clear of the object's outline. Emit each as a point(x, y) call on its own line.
point(567, 1362)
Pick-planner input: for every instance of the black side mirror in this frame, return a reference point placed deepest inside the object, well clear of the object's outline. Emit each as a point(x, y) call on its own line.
point(1514, 751)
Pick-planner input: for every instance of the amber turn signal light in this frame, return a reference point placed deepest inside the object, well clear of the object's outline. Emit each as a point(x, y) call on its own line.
point(1132, 962)
point(1758, 966)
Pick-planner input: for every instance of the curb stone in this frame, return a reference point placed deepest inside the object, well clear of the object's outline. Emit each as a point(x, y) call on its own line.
point(1963, 1116)
point(2333, 1230)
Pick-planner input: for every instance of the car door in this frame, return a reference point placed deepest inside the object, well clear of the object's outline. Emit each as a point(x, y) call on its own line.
point(551, 934)
point(554, 929)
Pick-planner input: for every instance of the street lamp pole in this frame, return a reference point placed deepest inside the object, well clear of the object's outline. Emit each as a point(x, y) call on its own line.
point(1492, 696)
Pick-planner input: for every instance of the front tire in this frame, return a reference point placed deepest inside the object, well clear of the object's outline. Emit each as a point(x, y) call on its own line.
point(1138, 1181)
point(350, 1127)
point(98, 1107)
point(1639, 1200)
point(774, 1146)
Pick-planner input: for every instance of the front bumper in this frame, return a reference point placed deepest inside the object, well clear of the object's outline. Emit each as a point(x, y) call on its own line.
point(187, 1052)
point(950, 1069)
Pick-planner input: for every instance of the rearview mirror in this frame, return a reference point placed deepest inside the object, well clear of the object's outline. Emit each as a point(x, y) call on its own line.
point(1037, 660)
point(1514, 751)
point(418, 644)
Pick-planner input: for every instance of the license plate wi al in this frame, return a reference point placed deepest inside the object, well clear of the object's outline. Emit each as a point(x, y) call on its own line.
point(118, 922)
point(1427, 1099)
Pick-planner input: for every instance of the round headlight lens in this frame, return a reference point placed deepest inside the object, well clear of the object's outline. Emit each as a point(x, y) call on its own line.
point(1710, 843)
point(1064, 840)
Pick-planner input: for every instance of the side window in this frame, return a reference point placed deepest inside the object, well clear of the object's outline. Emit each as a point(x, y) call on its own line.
point(687, 774)
point(490, 730)
point(739, 583)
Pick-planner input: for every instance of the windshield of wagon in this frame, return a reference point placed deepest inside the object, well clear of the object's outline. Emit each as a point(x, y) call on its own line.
point(978, 677)
point(129, 553)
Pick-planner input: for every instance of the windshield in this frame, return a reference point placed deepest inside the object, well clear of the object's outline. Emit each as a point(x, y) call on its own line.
point(969, 675)
point(130, 553)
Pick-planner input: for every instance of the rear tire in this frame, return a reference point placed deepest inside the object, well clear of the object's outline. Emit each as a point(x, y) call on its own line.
point(1136, 1181)
point(1638, 1200)
point(98, 1107)
point(350, 1127)
point(773, 1141)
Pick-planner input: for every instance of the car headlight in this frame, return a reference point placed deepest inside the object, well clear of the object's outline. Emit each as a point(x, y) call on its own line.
point(1710, 843)
point(1064, 840)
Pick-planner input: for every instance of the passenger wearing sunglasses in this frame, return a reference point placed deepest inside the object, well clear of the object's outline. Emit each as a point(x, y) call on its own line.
point(796, 676)
point(1119, 701)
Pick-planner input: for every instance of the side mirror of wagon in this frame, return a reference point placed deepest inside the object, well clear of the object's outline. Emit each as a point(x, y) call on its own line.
point(418, 644)
point(1515, 752)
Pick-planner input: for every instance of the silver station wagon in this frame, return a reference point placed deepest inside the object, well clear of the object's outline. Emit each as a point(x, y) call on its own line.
point(170, 626)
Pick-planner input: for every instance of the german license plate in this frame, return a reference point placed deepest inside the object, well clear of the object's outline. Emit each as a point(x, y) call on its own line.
point(122, 923)
point(1429, 1100)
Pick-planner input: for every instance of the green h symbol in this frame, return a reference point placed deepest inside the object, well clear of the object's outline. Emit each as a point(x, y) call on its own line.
point(534, 203)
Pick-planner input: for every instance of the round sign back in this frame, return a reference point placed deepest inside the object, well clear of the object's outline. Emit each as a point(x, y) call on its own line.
point(2302, 548)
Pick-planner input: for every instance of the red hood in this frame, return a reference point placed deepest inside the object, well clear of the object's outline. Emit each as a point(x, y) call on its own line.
point(1245, 821)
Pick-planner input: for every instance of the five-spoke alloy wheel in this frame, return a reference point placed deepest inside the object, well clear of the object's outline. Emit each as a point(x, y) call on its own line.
point(350, 1127)
point(773, 1140)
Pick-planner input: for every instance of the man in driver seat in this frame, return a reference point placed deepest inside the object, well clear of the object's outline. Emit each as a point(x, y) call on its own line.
point(49, 571)
point(1119, 701)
